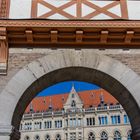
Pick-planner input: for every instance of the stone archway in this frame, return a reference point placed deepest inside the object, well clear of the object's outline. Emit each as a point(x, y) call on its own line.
point(59, 66)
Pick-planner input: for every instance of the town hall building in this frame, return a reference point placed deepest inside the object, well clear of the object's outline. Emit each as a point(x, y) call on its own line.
point(87, 115)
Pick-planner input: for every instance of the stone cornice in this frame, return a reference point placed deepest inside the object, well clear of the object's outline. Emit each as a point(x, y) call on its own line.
point(8, 130)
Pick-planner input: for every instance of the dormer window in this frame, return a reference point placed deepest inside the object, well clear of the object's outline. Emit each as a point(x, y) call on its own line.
point(73, 104)
point(72, 95)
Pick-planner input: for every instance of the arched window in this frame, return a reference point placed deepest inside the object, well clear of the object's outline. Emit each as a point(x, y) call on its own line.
point(58, 137)
point(104, 136)
point(47, 137)
point(73, 104)
point(37, 137)
point(26, 138)
point(117, 135)
point(129, 135)
point(91, 136)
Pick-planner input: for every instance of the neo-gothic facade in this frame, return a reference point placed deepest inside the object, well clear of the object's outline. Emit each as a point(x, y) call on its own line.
point(77, 122)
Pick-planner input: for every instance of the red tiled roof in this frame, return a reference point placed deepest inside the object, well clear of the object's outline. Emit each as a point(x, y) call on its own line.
point(89, 98)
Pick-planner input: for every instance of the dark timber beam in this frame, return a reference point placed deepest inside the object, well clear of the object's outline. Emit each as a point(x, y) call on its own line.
point(54, 36)
point(79, 36)
point(29, 35)
point(129, 36)
point(3, 50)
point(104, 35)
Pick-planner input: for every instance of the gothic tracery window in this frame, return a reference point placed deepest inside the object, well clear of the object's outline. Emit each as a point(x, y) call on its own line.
point(37, 137)
point(47, 137)
point(58, 137)
point(26, 138)
point(73, 104)
point(104, 136)
point(91, 136)
point(129, 135)
point(117, 135)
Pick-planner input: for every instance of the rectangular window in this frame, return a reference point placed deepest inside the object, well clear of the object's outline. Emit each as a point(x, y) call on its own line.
point(126, 119)
point(103, 120)
point(58, 124)
point(37, 125)
point(90, 121)
point(48, 124)
point(116, 119)
point(79, 122)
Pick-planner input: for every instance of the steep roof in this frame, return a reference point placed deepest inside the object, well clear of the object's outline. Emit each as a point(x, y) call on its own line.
point(89, 98)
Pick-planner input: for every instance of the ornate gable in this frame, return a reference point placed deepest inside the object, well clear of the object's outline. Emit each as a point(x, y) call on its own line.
point(73, 100)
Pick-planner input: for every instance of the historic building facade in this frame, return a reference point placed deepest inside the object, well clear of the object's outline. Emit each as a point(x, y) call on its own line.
point(88, 115)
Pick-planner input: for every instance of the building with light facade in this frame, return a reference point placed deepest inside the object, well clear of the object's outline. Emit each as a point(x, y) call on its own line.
point(87, 115)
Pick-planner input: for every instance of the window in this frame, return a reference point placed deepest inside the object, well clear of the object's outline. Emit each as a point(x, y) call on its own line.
point(58, 137)
point(27, 126)
point(79, 122)
point(73, 122)
point(129, 135)
point(117, 135)
point(73, 104)
point(37, 125)
point(58, 124)
point(48, 124)
point(90, 121)
point(104, 136)
point(80, 136)
point(72, 95)
point(126, 119)
point(26, 138)
point(103, 120)
point(91, 136)
point(66, 122)
point(47, 137)
point(73, 136)
point(37, 137)
point(116, 119)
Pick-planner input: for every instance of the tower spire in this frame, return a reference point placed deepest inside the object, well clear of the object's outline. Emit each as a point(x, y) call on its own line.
point(73, 87)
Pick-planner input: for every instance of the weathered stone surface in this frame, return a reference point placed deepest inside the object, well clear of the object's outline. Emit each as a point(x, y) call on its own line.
point(74, 64)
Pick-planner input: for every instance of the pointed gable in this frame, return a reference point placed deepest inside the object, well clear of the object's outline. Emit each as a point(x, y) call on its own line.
point(73, 100)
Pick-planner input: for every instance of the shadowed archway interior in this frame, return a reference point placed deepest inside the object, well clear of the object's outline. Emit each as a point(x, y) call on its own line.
point(114, 87)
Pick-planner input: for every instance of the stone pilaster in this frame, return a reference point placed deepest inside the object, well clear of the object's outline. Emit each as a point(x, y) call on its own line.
point(8, 132)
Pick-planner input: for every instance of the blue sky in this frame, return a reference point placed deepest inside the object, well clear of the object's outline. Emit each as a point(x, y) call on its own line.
point(65, 87)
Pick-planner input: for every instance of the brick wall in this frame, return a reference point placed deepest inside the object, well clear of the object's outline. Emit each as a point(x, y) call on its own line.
point(21, 58)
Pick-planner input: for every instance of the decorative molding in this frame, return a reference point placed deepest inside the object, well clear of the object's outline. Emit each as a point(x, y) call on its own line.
point(70, 23)
point(4, 8)
point(3, 50)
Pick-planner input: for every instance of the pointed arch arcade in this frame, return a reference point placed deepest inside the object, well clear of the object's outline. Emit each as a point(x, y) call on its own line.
point(66, 65)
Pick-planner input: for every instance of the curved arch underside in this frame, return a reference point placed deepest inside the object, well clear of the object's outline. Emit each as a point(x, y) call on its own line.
point(66, 65)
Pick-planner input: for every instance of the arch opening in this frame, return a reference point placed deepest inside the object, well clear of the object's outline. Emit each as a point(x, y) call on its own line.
point(80, 74)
